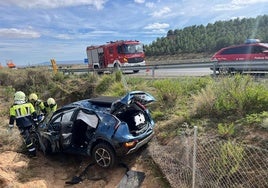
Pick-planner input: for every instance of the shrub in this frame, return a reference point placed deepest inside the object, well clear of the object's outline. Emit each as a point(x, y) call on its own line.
point(59, 76)
point(256, 119)
point(191, 86)
point(240, 95)
point(226, 130)
point(237, 95)
point(10, 140)
point(116, 89)
point(104, 83)
point(203, 102)
point(9, 93)
point(118, 75)
point(228, 162)
point(158, 115)
point(168, 92)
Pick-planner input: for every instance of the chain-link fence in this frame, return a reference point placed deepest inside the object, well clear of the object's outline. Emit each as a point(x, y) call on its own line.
point(195, 162)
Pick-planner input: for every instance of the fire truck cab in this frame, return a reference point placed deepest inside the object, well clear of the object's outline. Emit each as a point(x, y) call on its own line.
point(116, 54)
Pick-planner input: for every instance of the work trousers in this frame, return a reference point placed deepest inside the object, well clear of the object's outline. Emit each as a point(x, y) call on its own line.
point(25, 133)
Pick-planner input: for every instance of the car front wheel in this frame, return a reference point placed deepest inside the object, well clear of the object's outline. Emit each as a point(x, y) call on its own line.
point(104, 155)
point(35, 141)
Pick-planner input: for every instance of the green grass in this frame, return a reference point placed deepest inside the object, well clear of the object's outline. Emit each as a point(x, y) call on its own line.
point(224, 100)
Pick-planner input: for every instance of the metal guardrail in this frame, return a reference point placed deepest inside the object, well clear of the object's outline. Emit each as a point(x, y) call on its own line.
point(239, 66)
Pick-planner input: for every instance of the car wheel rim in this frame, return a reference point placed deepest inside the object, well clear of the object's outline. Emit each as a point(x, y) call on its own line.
point(102, 157)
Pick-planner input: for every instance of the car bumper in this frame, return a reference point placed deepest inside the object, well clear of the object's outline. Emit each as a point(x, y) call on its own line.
point(133, 64)
point(141, 143)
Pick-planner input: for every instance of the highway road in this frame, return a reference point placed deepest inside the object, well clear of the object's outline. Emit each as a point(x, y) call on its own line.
point(172, 72)
point(183, 69)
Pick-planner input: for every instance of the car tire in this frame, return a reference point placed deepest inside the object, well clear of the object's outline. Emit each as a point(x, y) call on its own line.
point(224, 71)
point(104, 155)
point(34, 140)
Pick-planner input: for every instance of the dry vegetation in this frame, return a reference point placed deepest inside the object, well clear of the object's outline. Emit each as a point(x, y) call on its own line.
point(16, 170)
point(201, 102)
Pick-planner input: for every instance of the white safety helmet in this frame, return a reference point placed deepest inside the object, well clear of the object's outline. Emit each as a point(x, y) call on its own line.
point(33, 97)
point(51, 102)
point(19, 97)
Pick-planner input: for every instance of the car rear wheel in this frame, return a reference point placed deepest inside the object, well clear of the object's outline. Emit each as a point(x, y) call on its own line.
point(104, 155)
point(224, 70)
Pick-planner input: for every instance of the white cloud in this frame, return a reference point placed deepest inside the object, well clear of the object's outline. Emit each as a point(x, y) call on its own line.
point(18, 33)
point(139, 1)
point(243, 2)
point(226, 7)
point(103, 32)
point(150, 4)
point(53, 3)
point(71, 25)
point(237, 4)
point(157, 26)
point(64, 36)
point(161, 12)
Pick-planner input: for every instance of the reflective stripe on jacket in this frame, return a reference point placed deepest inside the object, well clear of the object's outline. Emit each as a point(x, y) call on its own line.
point(22, 113)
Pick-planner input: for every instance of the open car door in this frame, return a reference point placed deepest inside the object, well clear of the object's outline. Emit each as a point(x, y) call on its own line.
point(84, 125)
point(133, 96)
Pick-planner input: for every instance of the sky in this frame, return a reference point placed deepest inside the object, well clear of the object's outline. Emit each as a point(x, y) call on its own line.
point(35, 31)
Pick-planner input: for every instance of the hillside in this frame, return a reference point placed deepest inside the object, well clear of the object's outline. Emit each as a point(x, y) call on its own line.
point(198, 39)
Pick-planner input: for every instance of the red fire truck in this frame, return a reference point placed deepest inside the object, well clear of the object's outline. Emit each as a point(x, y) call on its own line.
point(116, 54)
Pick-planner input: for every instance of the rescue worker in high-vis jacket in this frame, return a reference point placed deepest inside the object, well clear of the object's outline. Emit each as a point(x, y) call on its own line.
point(38, 105)
point(50, 106)
point(23, 113)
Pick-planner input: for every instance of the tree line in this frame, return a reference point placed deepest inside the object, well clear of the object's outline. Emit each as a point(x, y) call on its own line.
point(209, 38)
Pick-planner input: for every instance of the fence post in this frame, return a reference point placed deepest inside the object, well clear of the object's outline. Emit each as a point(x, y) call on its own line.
point(194, 155)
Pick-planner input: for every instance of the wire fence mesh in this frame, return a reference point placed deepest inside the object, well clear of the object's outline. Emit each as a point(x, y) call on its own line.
point(210, 162)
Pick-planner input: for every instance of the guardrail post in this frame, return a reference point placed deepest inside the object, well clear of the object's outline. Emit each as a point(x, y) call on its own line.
point(153, 73)
point(214, 69)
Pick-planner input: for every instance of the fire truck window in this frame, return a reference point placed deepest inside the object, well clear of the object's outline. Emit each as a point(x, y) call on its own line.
point(119, 49)
point(139, 48)
point(111, 50)
point(131, 49)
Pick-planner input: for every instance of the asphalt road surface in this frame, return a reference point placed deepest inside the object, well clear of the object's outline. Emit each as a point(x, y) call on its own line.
point(172, 72)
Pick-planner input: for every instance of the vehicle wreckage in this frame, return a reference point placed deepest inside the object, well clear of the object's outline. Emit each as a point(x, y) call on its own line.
point(103, 127)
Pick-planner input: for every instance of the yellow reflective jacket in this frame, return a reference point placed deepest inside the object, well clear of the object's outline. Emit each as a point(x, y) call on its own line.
point(23, 114)
point(39, 107)
point(50, 109)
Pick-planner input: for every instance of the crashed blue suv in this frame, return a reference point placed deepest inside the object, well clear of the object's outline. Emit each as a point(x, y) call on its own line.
point(102, 128)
